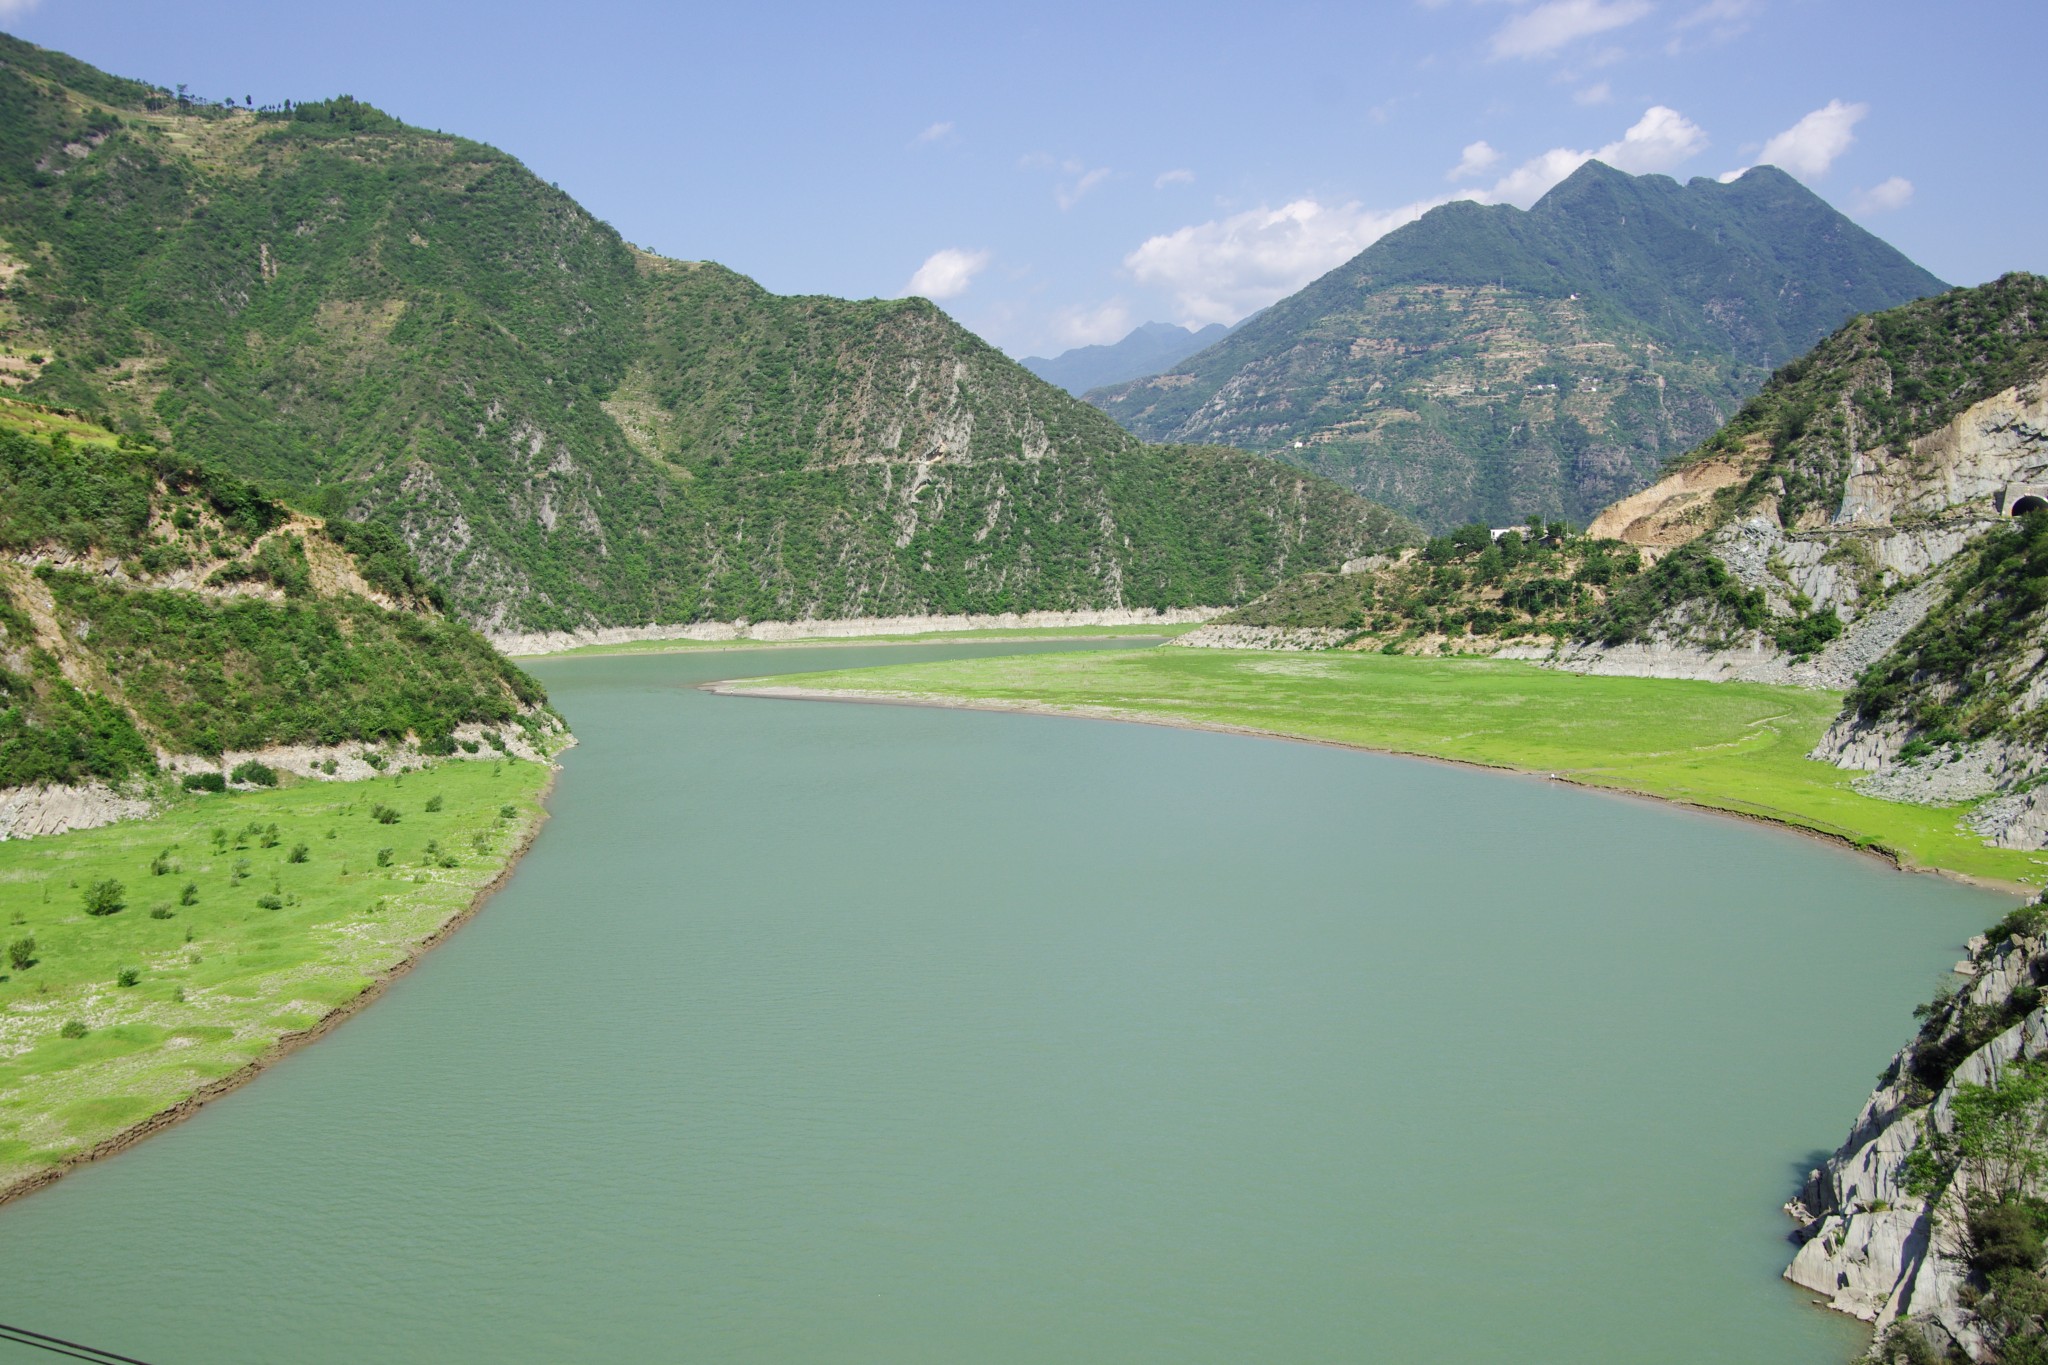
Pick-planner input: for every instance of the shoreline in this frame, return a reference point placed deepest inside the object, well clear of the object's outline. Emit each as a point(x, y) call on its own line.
point(1896, 860)
point(977, 636)
point(839, 629)
point(288, 1043)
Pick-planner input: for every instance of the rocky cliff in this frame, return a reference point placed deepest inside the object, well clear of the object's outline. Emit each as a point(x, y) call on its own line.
point(1926, 1221)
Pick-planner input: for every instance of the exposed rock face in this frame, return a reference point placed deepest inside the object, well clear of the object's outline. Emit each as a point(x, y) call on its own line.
point(1868, 1242)
point(26, 812)
point(1671, 511)
point(1262, 637)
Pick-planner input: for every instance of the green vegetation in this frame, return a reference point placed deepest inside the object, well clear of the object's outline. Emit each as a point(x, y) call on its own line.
point(1464, 592)
point(108, 1018)
point(409, 329)
point(1962, 673)
point(1488, 363)
point(1732, 746)
point(118, 663)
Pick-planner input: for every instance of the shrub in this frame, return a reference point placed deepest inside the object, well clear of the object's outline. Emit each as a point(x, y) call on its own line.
point(298, 854)
point(271, 837)
point(383, 857)
point(434, 802)
point(204, 782)
point(383, 814)
point(255, 774)
point(270, 902)
point(160, 912)
point(190, 895)
point(241, 871)
point(73, 1029)
point(162, 865)
point(2006, 1235)
point(129, 976)
point(2029, 921)
point(507, 812)
point(105, 897)
point(21, 954)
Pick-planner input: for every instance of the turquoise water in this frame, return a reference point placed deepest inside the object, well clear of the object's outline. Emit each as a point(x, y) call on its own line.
point(842, 1033)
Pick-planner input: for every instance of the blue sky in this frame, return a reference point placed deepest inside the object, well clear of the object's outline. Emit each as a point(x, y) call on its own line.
point(1057, 173)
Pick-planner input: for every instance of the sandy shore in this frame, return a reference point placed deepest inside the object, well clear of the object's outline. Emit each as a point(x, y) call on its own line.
point(290, 1042)
point(737, 687)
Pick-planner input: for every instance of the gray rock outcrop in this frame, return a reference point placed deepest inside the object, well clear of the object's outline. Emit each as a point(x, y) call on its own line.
point(1875, 1240)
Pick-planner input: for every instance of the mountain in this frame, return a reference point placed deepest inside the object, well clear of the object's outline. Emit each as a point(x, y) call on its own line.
point(1874, 520)
point(1149, 349)
point(407, 328)
point(154, 612)
point(1489, 363)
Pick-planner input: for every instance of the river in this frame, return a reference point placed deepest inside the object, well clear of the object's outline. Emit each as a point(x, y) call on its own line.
point(845, 1033)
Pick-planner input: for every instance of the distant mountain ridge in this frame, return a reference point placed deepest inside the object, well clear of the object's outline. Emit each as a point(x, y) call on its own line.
point(1489, 363)
point(1147, 350)
point(408, 328)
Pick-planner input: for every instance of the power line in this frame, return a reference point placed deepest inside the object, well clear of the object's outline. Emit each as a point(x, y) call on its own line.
point(59, 1346)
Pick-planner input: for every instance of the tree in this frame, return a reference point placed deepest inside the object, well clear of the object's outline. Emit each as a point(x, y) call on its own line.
point(105, 897)
point(21, 954)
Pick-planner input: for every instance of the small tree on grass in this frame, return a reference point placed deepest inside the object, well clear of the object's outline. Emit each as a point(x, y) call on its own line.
point(21, 954)
point(105, 897)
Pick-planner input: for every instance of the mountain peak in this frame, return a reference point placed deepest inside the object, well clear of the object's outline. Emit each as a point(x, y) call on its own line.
point(1488, 362)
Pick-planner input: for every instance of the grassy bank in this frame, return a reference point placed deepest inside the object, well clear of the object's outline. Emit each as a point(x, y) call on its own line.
point(1732, 746)
point(993, 633)
point(242, 919)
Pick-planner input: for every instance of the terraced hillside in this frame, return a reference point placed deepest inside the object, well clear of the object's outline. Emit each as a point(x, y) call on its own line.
point(1488, 364)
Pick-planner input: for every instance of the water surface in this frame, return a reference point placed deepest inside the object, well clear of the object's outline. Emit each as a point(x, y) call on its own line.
point(851, 1033)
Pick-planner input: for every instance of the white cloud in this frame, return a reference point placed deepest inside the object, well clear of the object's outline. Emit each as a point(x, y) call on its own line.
point(1542, 31)
point(1221, 270)
point(936, 133)
point(1661, 140)
point(1071, 193)
point(1810, 146)
point(1181, 176)
point(946, 274)
point(1476, 158)
point(1723, 20)
point(1894, 193)
point(1093, 326)
point(14, 9)
point(1598, 93)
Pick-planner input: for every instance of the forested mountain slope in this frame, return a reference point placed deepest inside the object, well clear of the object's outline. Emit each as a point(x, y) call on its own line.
point(409, 329)
point(154, 612)
point(1486, 363)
